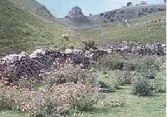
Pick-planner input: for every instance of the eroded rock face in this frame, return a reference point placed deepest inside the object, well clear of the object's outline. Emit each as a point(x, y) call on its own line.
point(76, 13)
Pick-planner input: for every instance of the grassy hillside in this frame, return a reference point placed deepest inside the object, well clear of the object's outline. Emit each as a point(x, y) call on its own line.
point(144, 29)
point(78, 24)
point(128, 12)
point(22, 31)
point(33, 7)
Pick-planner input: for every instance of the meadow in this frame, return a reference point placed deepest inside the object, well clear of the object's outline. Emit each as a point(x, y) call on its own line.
point(112, 84)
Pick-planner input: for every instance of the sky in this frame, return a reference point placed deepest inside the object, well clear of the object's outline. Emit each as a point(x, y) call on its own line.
point(60, 8)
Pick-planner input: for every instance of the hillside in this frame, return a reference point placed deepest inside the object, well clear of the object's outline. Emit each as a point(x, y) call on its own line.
point(33, 7)
point(75, 19)
point(109, 65)
point(150, 28)
point(20, 30)
point(24, 31)
point(127, 12)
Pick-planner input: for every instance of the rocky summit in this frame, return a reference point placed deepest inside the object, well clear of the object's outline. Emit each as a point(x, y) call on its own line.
point(77, 14)
point(76, 19)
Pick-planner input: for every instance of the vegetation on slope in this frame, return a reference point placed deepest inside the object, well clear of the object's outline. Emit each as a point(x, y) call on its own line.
point(128, 12)
point(33, 7)
point(20, 31)
point(120, 103)
point(143, 29)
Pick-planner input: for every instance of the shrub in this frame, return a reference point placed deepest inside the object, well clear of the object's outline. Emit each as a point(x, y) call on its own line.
point(130, 66)
point(150, 61)
point(129, 3)
point(69, 74)
point(149, 67)
point(25, 83)
point(160, 90)
point(161, 9)
point(110, 62)
point(149, 73)
point(114, 102)
point(141, 86)
point(122, 78)
point(5, 99)
point(77, 96)
point(36, 103)
point(58, 100)
point(143, 3)
point(104, 21)
point(112, 20)
point(105, 87)
point(101, 14)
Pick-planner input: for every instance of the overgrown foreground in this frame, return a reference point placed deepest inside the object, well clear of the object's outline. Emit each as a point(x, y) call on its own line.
point(116, 86)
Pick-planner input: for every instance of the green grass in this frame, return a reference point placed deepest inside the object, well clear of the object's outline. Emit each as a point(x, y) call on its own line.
point(21, 31)
point(32, 6)
point(12, 114)
point(133, 106)
point(138, 106)
point(139, 30)
point(153, 106)
point(161, 78)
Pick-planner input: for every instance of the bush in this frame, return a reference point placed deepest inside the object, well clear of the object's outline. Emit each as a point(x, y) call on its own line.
point(36, 103)
point(69, 74)
point(122, 78)
point(141, 86)
point(114, 102)
point(112, 20)
point(40, 105)
point(5, 99)
point(57, 101)
point(105, 87)
point(149, 73)
point(77, 96)
point(110, 62)
point(129, 3)
point(104, 21)
point(25, 83)
point(130, 66)
point(101, 14)
point(149, 67)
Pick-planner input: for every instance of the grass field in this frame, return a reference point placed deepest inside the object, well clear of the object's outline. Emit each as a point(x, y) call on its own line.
point(22, 31)
point(129, 105)
point(12, 114)
point(153, 106)
point(138, 106)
